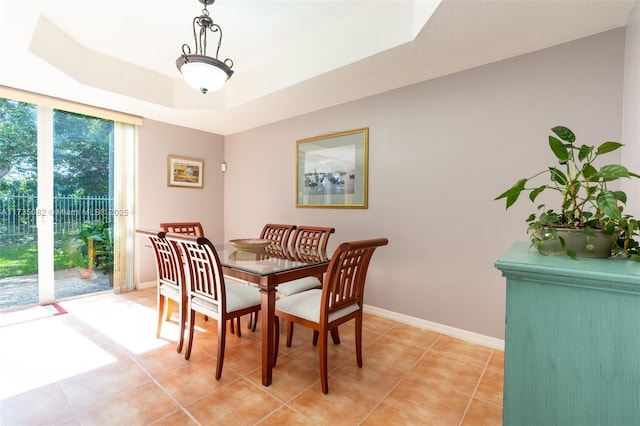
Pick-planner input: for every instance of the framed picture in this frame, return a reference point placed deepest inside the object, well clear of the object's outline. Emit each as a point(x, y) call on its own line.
point(332, 170)
point(187, 172)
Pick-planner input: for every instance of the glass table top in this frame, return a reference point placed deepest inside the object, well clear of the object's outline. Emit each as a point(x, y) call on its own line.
point(270, 260)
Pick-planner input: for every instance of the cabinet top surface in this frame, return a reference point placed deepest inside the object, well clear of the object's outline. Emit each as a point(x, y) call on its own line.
point(521, 256)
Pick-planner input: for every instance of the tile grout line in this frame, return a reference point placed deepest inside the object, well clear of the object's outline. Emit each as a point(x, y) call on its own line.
point(60, 383)
point(66, 398)
point(283, 403)
point(153, 379)
point(386, 395)
point(475, 389)
point(128, 354)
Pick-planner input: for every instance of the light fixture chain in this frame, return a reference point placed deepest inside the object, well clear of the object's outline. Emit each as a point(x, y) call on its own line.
point(204, 21)
point(202, 42)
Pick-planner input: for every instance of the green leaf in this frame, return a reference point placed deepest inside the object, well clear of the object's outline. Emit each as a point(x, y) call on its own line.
point(533, 194)
point(588, 171)
point(609, 228)
point(564, 133)
point(621, 196)
point(558, 176)
point(572, 254)
point(606, 202)
point(584, 152)
point(558, 148)
point(608, 147)
point(512, 193)
point(613, 171)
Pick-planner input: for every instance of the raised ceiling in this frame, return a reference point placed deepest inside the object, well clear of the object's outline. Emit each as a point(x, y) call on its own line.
point(290, 57)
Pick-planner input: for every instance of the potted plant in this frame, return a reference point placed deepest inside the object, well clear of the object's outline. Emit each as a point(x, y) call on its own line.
point(589, 213)
point(98, 236)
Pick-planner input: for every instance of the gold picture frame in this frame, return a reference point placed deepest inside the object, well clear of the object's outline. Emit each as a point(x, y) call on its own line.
point(332, 170)
point(185, 172)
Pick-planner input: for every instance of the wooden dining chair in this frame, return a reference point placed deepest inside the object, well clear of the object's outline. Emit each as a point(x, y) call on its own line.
point(340, 300)
point(187, 228)
point(194, 229)
point(307, 242)
point(277, 233)
point(170, 281)
point(311, 237)
point(209, 293)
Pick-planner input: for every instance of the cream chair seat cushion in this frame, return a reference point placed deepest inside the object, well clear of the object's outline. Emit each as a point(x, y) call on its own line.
point(296, 286)
point(170, 291)
point(239, 296)
point(307, 305)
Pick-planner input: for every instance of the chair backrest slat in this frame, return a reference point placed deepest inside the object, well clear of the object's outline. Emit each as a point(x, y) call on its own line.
point(187, 228)
point(278, 233)
point(346, 275)
point(204, 273)
point(311, 237)
point(168, 267)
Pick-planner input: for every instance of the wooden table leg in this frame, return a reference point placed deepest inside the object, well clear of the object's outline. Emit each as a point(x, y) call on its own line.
point(268, 304)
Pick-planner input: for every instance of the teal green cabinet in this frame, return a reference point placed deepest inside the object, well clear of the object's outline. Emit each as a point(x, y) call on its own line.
point(572, 340)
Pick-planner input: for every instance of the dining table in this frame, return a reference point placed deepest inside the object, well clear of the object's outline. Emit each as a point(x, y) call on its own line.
point(267, 268)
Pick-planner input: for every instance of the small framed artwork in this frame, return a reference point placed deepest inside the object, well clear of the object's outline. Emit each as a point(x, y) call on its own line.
point(186, 172)
point(332, 170)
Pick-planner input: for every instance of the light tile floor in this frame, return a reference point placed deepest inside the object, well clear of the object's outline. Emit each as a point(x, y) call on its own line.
point(101, 364)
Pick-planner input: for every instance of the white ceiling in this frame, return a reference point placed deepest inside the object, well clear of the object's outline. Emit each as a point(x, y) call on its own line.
point(290, 57)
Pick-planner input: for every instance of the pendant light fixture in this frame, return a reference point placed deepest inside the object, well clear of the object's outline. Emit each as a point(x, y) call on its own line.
point(200, 71)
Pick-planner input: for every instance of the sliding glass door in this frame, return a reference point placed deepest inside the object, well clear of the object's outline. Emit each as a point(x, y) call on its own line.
point(56, 204)
point(82, 189)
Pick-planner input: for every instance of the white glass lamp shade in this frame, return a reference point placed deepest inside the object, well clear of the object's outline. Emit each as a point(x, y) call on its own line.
point(203, 73)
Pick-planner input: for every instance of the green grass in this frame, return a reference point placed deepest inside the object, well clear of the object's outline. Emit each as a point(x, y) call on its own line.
point(18, 259)
point(21, 257)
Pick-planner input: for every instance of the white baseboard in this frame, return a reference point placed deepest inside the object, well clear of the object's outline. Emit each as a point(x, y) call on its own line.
point(465, 335)
point(148, 284)
point(468, 336)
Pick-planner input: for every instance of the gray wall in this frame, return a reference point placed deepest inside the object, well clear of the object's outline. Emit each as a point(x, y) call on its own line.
point(158, 202)
point(631, 109)
point(439, 152)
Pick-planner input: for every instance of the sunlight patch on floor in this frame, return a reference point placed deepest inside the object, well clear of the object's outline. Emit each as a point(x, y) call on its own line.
point(43, 352)
point(126, 322)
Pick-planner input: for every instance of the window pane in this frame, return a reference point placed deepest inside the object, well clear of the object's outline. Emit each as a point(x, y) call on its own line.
point(83, 200)
point(18, 204)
